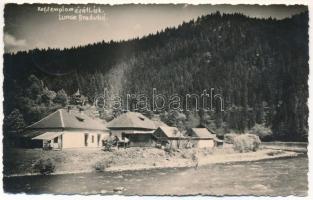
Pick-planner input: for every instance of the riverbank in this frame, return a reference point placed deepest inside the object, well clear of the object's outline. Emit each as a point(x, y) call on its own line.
point(300, 147)
point(22, 162)
point(277, 177)
point(203, 160)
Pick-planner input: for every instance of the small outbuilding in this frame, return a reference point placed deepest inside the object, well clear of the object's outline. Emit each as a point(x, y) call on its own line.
point(169, 135)
point(202, 137)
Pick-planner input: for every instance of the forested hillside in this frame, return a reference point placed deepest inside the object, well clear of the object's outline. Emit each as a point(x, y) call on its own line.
point(260, 66)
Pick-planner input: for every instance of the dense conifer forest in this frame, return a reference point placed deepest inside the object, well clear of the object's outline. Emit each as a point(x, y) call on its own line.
point(259, 66)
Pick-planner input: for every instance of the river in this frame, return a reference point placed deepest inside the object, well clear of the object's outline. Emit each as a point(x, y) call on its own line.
point(279, 177)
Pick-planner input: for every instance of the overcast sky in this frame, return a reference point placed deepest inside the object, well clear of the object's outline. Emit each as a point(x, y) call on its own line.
point(27, 27)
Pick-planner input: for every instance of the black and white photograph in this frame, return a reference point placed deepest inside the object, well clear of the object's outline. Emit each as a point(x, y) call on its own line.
point(155, 99)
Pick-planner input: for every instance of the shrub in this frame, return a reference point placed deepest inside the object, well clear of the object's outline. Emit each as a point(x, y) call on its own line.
point(184, 155)
point(108, 144)
point(45, 166)
point(194, 157)
point(261, 130)
point(101, 166)
point(229, 138)
point(169, 150)
point(246, 142)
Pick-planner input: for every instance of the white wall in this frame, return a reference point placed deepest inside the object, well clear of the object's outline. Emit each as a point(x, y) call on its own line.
point(76, 139)
point(205, 144)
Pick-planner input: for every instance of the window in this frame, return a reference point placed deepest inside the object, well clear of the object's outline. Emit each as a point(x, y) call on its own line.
point(55, 140)
point(86, 139)
point(98, 139)
point(92, 139)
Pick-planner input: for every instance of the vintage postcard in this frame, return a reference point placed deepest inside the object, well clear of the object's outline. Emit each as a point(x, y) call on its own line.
point(155, 99)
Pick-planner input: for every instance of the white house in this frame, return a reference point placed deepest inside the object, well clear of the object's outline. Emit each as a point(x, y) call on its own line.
point(67, 128)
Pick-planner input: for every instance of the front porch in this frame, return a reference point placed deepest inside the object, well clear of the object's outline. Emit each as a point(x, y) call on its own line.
point(50, 140)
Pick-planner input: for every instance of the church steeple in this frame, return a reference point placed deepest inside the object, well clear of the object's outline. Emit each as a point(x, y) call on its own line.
point(77, 93)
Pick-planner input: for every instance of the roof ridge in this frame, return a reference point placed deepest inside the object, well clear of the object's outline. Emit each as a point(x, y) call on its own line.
point(61, 117)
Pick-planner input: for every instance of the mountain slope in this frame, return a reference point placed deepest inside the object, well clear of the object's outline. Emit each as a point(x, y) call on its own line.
point(260, 66)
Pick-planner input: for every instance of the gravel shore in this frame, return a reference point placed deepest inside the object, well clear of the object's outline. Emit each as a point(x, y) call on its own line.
point(21, 162)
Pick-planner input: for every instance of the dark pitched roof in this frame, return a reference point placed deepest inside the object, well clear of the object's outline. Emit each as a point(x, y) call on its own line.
point(68, 120)
point(132, 120)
